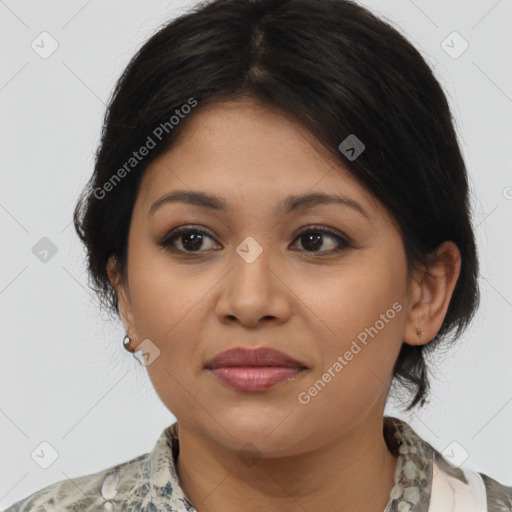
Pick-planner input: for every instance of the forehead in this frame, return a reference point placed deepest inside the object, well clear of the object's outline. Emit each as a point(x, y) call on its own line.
point(242, 151)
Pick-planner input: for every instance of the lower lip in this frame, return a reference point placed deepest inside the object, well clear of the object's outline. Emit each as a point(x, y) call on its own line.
point(254, 378)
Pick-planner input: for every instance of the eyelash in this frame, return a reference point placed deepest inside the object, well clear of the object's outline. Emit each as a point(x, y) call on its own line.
point(179, 232)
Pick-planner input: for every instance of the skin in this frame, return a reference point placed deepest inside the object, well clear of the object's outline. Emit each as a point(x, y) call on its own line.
point(293, 297)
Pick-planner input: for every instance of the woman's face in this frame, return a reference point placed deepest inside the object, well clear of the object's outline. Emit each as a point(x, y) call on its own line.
point(341, 308)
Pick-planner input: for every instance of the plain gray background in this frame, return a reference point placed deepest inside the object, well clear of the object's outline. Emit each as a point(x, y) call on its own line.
point(66, 378)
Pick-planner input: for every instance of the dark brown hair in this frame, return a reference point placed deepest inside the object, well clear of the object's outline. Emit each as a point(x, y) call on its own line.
point(336, 69)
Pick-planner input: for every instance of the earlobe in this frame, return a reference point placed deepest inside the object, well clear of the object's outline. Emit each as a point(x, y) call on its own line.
point(431, 297)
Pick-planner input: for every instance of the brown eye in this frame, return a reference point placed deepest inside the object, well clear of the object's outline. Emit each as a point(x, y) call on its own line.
point(313, 239)
point(192, 240)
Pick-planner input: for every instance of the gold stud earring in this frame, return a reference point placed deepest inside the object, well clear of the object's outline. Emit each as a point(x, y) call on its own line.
point(127, 344)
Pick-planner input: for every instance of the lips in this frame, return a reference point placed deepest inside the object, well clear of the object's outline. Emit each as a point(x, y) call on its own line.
point(261, 357)
point(254, 369)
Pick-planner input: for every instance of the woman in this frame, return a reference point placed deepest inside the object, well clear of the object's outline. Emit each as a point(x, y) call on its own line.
point(279, 213)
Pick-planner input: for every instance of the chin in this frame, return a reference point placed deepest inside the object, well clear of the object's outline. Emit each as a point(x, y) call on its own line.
point(271, 433)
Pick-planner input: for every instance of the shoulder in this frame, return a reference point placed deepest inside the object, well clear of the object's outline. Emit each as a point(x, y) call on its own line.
point(467, 490)
point(148, 482)
point(499, 496)
point(426, 478)
point(92, 491)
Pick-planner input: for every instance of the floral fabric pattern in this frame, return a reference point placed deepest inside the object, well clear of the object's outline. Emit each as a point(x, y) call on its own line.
point(424, 482)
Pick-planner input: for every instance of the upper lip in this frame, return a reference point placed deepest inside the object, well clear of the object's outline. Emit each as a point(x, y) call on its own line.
point(262, 356)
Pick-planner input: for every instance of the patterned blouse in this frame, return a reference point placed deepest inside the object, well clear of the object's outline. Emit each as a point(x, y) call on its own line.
point(424, 482)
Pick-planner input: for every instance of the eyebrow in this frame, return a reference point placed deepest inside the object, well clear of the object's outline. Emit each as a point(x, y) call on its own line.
point(289, 204)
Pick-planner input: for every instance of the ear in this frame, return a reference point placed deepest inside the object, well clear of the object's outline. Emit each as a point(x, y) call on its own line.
point(123, 296)
point(430, 295)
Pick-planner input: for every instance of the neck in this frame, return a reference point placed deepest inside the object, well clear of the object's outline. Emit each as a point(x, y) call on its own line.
point(354, 472)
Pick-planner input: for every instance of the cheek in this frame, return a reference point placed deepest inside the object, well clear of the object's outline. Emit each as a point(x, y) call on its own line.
point(166, 313)
point(359, 338)
point(162, 291)
point(356, 371)
point(340, 404)
point(352, 299)
point(166, 306)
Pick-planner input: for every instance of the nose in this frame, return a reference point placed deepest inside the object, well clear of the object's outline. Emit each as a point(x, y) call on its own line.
point(254, 290)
